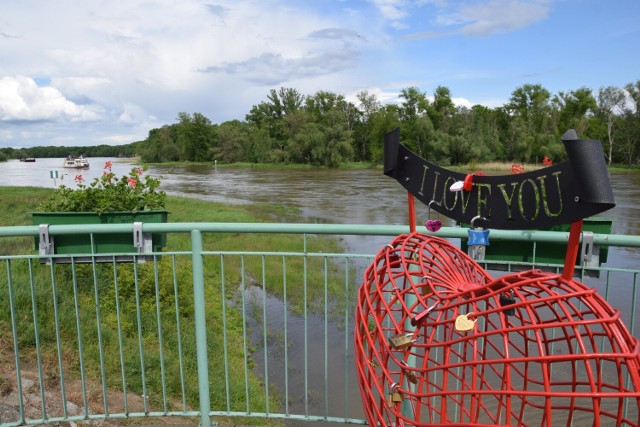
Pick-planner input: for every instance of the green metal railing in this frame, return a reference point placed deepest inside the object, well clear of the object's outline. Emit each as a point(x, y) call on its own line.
point(203, 331)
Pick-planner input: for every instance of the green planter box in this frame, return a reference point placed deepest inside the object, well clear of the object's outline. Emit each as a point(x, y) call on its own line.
point(111, 243)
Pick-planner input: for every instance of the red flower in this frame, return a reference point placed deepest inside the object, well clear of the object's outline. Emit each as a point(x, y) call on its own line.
point(108, 165)
point(138, 171)
point(79, 179)
point(547, 161)
point(516, 168)
point(132, 182)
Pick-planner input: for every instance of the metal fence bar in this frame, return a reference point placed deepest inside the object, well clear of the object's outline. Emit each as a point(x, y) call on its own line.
point(179, 333)
point(160, 341)
point(56, 320)
point(143, 374)
point(346, 338)
point(103, 374)
point(306, 328)
point(286, 335)
point(223, 294)
point(305, 228)
point(76, 303)
point(634, 294)
point(201, 327)
point(36, 330)
point(326, 338)
point(244, 333)
point(120, 344)
point(264, 333)
point(14, 332)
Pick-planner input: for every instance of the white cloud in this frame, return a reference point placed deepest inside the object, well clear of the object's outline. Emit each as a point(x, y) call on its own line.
point(132, 114)
point(392, 10)
point(498, 16)
point(462, 102)
point(83, 87)
point(382, 96)
point(471, 18)
point(22, 100)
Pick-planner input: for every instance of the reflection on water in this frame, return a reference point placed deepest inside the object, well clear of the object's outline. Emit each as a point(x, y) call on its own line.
point(287, 340)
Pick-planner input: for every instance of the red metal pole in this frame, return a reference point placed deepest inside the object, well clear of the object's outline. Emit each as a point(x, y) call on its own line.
point(412, 212)
point(572, 250)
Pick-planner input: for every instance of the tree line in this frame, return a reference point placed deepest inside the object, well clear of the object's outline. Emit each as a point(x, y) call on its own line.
point(324, 129)
point(127, 150)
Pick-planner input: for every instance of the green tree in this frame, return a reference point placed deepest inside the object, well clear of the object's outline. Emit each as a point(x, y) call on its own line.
point(232, 142)
point(271, 113)
point(160, 146)
point(630, 125)
point(196, 137)
point(369, 105)
point(416, 127)
point(382, 121)
point(610, 102)
point(478, 128)
point(442, 109)
point(529, 107)
point(530, 104)
point(575, 105)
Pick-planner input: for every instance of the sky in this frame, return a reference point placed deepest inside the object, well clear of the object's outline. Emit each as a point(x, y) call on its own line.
point(89, 72)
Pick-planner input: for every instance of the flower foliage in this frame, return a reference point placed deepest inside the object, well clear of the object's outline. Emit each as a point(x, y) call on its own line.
point(130, 193)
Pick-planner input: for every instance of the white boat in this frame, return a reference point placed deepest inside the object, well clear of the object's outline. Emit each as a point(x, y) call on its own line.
point(76, 162)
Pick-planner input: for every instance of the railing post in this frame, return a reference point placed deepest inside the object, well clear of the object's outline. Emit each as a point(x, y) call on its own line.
point(201, 327)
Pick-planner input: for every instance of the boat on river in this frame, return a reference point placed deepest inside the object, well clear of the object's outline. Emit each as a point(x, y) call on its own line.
point(76, 163)
point(27, 159)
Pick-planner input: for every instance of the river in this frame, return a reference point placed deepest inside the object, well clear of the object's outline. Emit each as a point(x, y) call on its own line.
point(322, 196)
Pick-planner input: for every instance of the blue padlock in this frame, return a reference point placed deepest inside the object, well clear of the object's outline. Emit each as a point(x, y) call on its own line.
point(479, 237)
point(478, 241)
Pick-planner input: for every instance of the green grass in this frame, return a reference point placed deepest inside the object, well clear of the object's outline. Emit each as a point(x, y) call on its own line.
point(620, 168)
point(130, 290)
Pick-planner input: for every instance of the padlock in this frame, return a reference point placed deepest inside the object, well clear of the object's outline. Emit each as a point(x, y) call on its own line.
point(425, 286)
point(426, 289)
point(478, 241)
point(463, 323)
point(419, 318)
point(393, 256)
point(411, 376)
point(400, 342)
point(433, 225)
point(394, 395)
point(507, 299)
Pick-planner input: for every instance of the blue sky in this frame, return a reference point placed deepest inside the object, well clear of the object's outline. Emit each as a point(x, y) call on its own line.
point(106, 72)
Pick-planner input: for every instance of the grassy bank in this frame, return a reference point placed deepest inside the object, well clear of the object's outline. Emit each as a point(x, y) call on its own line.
point(127, 298)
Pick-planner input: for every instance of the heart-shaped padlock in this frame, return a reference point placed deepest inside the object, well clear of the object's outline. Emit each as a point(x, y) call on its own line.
point(433, 225)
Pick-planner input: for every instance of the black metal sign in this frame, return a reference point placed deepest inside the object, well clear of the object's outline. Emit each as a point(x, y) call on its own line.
point(558, 194)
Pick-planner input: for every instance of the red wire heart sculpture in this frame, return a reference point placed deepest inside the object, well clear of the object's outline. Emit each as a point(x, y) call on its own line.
point(439, 342)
